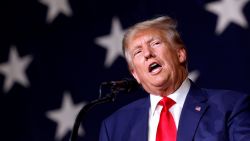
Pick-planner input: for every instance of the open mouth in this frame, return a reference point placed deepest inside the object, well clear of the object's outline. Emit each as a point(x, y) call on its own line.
point(153, 66)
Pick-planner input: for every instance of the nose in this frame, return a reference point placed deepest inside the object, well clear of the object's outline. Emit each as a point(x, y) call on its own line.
point(147, 52)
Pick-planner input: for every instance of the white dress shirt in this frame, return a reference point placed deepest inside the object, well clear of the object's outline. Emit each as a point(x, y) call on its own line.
point(178, 96)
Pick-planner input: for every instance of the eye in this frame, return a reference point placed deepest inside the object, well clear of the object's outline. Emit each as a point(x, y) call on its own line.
point(155, 43)
point(136, 52)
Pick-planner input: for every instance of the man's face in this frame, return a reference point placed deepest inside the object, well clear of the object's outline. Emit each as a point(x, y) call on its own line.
point(155, 64)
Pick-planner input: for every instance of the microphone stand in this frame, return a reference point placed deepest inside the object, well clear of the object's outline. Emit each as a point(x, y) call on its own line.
point(108, 98)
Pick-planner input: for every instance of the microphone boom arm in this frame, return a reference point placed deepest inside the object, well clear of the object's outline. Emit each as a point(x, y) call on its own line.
point(86, 108)
point(115, 87)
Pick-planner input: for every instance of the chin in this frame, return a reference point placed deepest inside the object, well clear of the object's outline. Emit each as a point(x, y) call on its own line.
point(161, 79)
point(159, 83)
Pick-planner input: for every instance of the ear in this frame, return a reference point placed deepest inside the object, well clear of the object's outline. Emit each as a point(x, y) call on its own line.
point(133, 72)
point(182, 55)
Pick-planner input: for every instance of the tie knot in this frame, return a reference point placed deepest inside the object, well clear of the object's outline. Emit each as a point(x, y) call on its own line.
point(166, 102)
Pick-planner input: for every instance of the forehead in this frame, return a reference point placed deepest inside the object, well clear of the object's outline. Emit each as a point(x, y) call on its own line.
point(144, 36)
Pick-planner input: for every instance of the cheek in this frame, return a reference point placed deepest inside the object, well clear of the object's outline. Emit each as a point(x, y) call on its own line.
point(170, 63)
point(137, 61)
point(138, 67)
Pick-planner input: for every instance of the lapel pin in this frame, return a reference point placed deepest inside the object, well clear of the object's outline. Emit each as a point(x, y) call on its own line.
point(198, 108)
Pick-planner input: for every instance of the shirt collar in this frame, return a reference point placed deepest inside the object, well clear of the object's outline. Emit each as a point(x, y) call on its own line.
point(178, 96)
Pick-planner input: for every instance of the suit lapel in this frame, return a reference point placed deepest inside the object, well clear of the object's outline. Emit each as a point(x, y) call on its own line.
point(194, 107)
point(139, 126)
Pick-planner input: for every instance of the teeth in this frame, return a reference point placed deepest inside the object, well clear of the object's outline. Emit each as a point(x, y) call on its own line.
point(153, 66)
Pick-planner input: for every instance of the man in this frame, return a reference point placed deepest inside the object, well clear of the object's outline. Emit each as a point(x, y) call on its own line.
point(157, 59)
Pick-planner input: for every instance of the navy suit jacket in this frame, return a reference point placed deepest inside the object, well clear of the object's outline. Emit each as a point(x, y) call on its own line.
point(221, 115)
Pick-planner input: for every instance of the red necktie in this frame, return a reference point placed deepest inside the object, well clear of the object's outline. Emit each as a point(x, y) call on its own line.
point(166, 130)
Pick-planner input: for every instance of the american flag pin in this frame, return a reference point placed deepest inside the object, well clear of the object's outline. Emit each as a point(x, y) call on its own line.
point(198, 108)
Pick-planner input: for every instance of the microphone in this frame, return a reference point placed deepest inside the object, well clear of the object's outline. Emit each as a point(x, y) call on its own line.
point(126, 85)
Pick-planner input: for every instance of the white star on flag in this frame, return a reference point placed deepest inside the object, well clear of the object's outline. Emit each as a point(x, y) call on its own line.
point(14, 69)
point(65, 116)
point(228, 11)
point(193, 75)
point(112, 43)
point(55, 7)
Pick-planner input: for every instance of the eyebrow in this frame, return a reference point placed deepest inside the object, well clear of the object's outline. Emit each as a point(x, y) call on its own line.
point(150, 40)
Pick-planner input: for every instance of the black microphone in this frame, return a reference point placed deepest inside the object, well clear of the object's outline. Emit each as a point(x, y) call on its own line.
point(126, 85)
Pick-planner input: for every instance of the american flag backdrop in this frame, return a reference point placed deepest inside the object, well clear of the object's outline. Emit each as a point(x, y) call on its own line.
point(54, 54)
